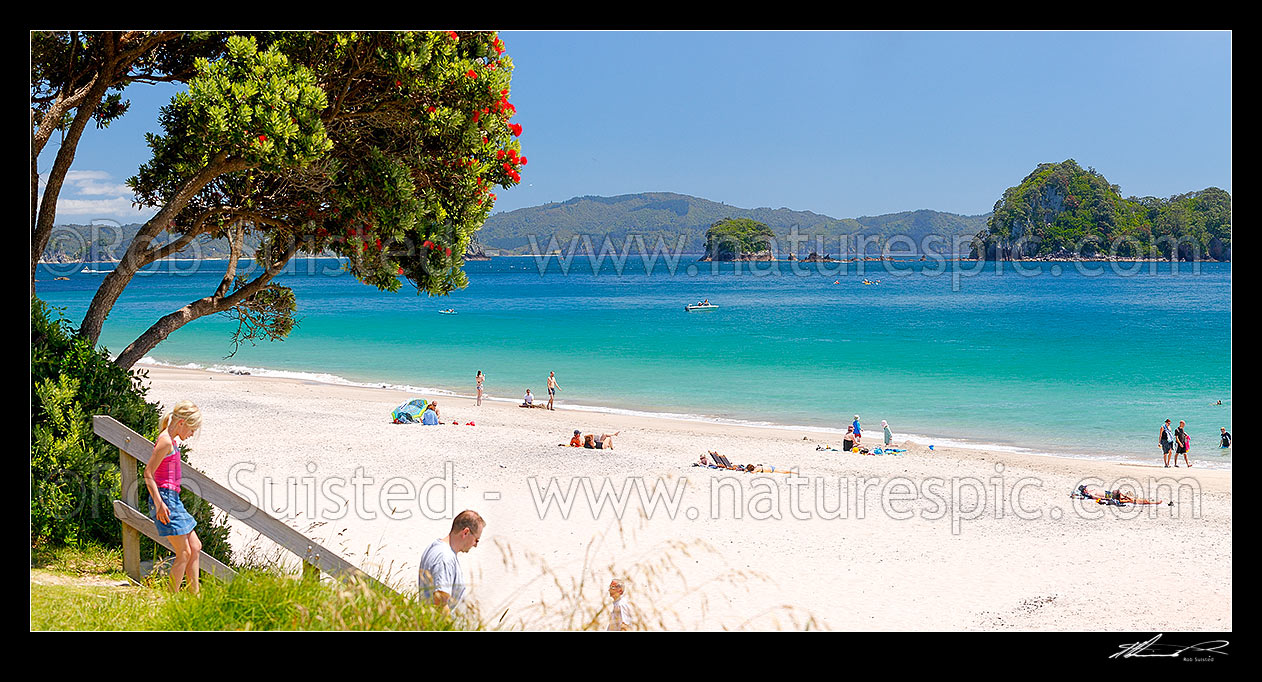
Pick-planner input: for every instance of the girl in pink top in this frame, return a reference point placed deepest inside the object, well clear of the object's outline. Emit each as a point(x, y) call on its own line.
point(163, 477)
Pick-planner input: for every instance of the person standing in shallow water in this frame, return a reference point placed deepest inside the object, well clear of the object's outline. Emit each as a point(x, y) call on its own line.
point(479, 380)
point(552, 388)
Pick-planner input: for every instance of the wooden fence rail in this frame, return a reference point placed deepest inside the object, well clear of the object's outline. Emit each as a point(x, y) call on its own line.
point(133, 447)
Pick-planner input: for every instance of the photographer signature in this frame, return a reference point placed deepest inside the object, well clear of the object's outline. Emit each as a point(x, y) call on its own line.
point(1137, 649)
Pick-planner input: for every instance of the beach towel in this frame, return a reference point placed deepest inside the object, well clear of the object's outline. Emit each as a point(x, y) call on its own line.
point(410, 412)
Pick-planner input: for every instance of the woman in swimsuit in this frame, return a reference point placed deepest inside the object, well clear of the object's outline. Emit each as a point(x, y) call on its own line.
point(604, 442)
point(480, 377)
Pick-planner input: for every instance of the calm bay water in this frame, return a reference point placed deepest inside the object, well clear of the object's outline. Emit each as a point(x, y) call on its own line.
point(1058, 361)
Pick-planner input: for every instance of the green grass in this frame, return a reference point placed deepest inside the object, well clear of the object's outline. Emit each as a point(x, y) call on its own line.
point(258, 599)
point(106, 562)
point(261, 600)
point(74, 607)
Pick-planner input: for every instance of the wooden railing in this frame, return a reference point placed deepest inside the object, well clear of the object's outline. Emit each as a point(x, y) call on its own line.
point(133, 447)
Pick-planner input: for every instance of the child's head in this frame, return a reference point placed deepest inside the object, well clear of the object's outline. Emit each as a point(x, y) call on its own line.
point(185, 417)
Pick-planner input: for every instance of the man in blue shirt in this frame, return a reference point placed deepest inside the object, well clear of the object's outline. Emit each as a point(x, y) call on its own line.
point(857, 432)
point(430, 418)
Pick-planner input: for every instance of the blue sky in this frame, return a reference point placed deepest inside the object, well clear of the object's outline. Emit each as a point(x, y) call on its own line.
point(841, 123)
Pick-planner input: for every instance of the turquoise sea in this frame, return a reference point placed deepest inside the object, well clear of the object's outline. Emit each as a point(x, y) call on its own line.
point(1045, 357)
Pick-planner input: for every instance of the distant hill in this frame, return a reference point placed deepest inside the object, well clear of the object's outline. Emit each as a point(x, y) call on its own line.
point(668, 217)
point(655, 216)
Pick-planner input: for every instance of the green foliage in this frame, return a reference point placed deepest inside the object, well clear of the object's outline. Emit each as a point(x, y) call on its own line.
point(251, 105)
point(380, 147)
point(255, 600)
point(735, 237)
point(74, 474)
point(270, 600)
point(63, 62)
point(1062, 209)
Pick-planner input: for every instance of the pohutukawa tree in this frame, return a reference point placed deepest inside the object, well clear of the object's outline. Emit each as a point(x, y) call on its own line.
point(78, 77)
point(384, 148)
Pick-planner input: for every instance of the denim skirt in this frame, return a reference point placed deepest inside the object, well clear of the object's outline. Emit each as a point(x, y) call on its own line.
point(182, 522)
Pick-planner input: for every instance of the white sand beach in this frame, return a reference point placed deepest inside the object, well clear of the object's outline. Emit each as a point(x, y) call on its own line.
point(921, 543)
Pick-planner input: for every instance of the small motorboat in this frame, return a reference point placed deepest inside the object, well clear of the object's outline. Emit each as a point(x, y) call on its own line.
point(705, 305)
point(449, 311)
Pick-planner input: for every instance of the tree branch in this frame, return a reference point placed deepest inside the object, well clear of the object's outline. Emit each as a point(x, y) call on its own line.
point(200, 308)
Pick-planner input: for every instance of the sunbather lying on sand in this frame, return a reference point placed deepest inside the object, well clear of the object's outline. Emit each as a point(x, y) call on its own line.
point(1116, 497)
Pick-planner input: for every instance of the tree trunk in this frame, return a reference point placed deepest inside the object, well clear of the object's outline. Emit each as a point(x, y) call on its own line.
point(42, 221)
point(215, 303)
point(139, 254)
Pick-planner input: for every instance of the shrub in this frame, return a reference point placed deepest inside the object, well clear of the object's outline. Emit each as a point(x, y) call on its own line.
point(74, 474)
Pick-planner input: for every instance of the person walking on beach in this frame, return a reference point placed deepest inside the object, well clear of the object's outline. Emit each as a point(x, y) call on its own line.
point(1166, 440)
point(164, 479)
point(621, 614)
point(1224, 440)
point(440, 576)
point(552, 388)
point(479, 380)
point(1180, 444)
point(889, 436)
point(858, 433)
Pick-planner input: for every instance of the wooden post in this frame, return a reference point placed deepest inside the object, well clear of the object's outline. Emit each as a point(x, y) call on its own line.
point(131, 537)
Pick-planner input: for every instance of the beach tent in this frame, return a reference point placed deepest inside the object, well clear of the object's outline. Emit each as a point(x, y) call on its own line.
point(410, 412)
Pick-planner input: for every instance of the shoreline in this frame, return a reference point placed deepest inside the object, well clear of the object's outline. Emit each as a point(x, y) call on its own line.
point(823, 432)
point(736, 556)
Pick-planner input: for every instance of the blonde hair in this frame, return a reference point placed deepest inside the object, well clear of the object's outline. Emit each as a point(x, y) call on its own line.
point(186, 411)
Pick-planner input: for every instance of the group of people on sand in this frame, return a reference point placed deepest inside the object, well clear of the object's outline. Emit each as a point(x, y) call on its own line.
point(1176, 440)
point(854, 435)
point(529, 400)
point(591, 441)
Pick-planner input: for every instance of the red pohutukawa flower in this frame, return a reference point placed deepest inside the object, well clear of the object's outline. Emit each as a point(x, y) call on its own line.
point(516, 128)
point(262, 138)
point(471, 73)
point(523, 160)
point(453, 35)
